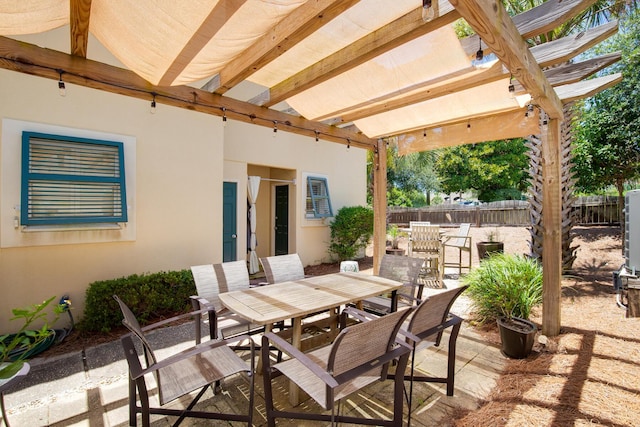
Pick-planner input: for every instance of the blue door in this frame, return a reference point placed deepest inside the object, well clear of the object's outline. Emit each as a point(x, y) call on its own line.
point(229, 221)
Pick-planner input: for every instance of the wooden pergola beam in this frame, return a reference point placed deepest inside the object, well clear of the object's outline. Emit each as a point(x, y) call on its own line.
point(538, 20)
point(491, 22)
point(80, 13)
point(511, 124)
point(302, 22)
point(30, 59)
point(394, 34)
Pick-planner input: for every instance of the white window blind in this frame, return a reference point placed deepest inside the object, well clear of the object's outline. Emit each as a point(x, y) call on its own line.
point(318, 200)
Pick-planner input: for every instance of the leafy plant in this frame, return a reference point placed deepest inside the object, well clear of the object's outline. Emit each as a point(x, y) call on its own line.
point(492, 236)
point(149, 295)
point(505, 285)
point(16, 348)
point(351, 231)
point(394, 233)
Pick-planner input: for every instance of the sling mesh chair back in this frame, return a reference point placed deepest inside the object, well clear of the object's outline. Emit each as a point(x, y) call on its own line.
point(461, 241)
point(282, 268)
point(182, 373)
point(405, 270)
point(426, 326)
point(359, 355)
point(212, 280)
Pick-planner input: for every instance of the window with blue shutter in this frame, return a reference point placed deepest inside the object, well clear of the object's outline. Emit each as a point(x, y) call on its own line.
point(69, 180)
point(318, 200)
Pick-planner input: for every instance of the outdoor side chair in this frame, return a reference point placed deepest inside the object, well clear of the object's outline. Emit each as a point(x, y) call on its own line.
point(425, 241)
point(282, 268)
point(359, 355)
point(212, 280)
point(462, 241)
point(403, 269)
point(425, 327)
point(196, 368)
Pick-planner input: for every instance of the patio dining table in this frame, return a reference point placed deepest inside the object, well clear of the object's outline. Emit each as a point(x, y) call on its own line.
point(296, 299)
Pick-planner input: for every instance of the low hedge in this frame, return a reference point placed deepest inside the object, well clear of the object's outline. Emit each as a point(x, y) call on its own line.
point(149, 296)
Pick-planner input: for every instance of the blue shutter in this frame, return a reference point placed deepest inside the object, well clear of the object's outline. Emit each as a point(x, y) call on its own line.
point(67, 180)
point(318, 196)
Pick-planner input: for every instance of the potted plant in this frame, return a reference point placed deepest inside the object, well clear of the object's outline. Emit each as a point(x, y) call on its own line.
point(505, 288)
point(394, 233)
point(17, 348)
point(490, 245)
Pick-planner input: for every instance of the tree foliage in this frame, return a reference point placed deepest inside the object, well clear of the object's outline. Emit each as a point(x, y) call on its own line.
point(607, 148)
point(495, 169)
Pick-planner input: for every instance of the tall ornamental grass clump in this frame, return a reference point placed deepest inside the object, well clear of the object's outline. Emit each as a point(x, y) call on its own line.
point(505, 285)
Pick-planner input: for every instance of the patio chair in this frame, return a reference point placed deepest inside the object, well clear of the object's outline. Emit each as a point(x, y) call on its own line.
point(212, 280)
point(462, 241)
point(195, 368)
point(425, 242)
point(405, 270)
point(282, 268)
point(425, 327)
point(359, 356)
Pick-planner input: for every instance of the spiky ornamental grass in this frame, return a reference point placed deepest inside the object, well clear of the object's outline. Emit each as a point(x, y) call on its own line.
point(505, 285)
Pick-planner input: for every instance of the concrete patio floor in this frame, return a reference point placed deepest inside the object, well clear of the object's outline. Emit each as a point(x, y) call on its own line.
point(89, 388)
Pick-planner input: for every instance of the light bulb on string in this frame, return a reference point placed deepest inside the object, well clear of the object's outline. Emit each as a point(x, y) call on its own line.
point(427, 11)
point(153, 104)
point(62, 90)
point(224, 117)
point(512, 87)
point(469, 127)
point(480, 52)
point(275, 128)
point(348, 145)
point(317, 136)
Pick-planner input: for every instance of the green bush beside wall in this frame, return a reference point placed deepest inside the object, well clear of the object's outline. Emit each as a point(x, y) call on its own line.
point(149, 296)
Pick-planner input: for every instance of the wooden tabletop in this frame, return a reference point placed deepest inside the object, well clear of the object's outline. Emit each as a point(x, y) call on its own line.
point(272, 303)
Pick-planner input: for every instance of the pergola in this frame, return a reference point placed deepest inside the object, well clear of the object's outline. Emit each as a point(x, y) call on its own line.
point(347, 71)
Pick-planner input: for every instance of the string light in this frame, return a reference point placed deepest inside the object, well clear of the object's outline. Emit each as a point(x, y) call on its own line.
point(348, 144)
point(529, 111)
point(427, 11)
point(469, 126)
point(317, 136)
point(178, 99)
point(512, 87)
point(153, 104)
point(479, 53)
point(424, 133)
point(61, 87)
point(224, 116)
point(275, 128)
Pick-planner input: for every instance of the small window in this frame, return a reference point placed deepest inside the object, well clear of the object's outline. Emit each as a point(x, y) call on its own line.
point(318, 200)
point(68, 180)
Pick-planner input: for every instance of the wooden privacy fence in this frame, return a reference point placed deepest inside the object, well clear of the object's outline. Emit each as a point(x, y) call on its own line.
point(586, 210)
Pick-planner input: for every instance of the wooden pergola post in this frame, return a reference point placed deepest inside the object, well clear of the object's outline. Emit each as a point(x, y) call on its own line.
point(552, 226)
point(379, 203)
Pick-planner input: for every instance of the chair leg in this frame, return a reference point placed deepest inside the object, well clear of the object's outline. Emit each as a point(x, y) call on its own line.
point(398, 401)
point(266, 377)
point(451, 362)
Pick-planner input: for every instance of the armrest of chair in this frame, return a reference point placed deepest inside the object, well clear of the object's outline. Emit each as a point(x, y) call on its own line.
point(452, 320)
point(137, 371)
point(293, 352)
point(446, 238)
point(202, 304)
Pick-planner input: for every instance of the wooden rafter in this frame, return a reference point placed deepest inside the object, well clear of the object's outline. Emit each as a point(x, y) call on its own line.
point(552, 53)
point(302, 22)
point(80, 12)
point(34, 60)
point(587, 88)
point(394, 34)
point(564, 49)
point(211, 25)
point(538, 20)
point(491, 22)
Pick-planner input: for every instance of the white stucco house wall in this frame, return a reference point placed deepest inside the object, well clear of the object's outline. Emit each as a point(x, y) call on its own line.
point(176, 165)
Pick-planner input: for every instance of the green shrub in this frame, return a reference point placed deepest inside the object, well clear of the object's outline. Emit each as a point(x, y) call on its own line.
point(351, 231)
point(149, 296)
point(505, 285)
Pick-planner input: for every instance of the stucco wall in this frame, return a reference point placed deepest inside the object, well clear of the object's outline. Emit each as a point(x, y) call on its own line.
point(178, 180)
point(266, 154)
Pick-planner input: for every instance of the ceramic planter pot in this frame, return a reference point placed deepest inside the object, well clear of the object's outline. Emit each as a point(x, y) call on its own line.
point(517, 336)
point(487, 248)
